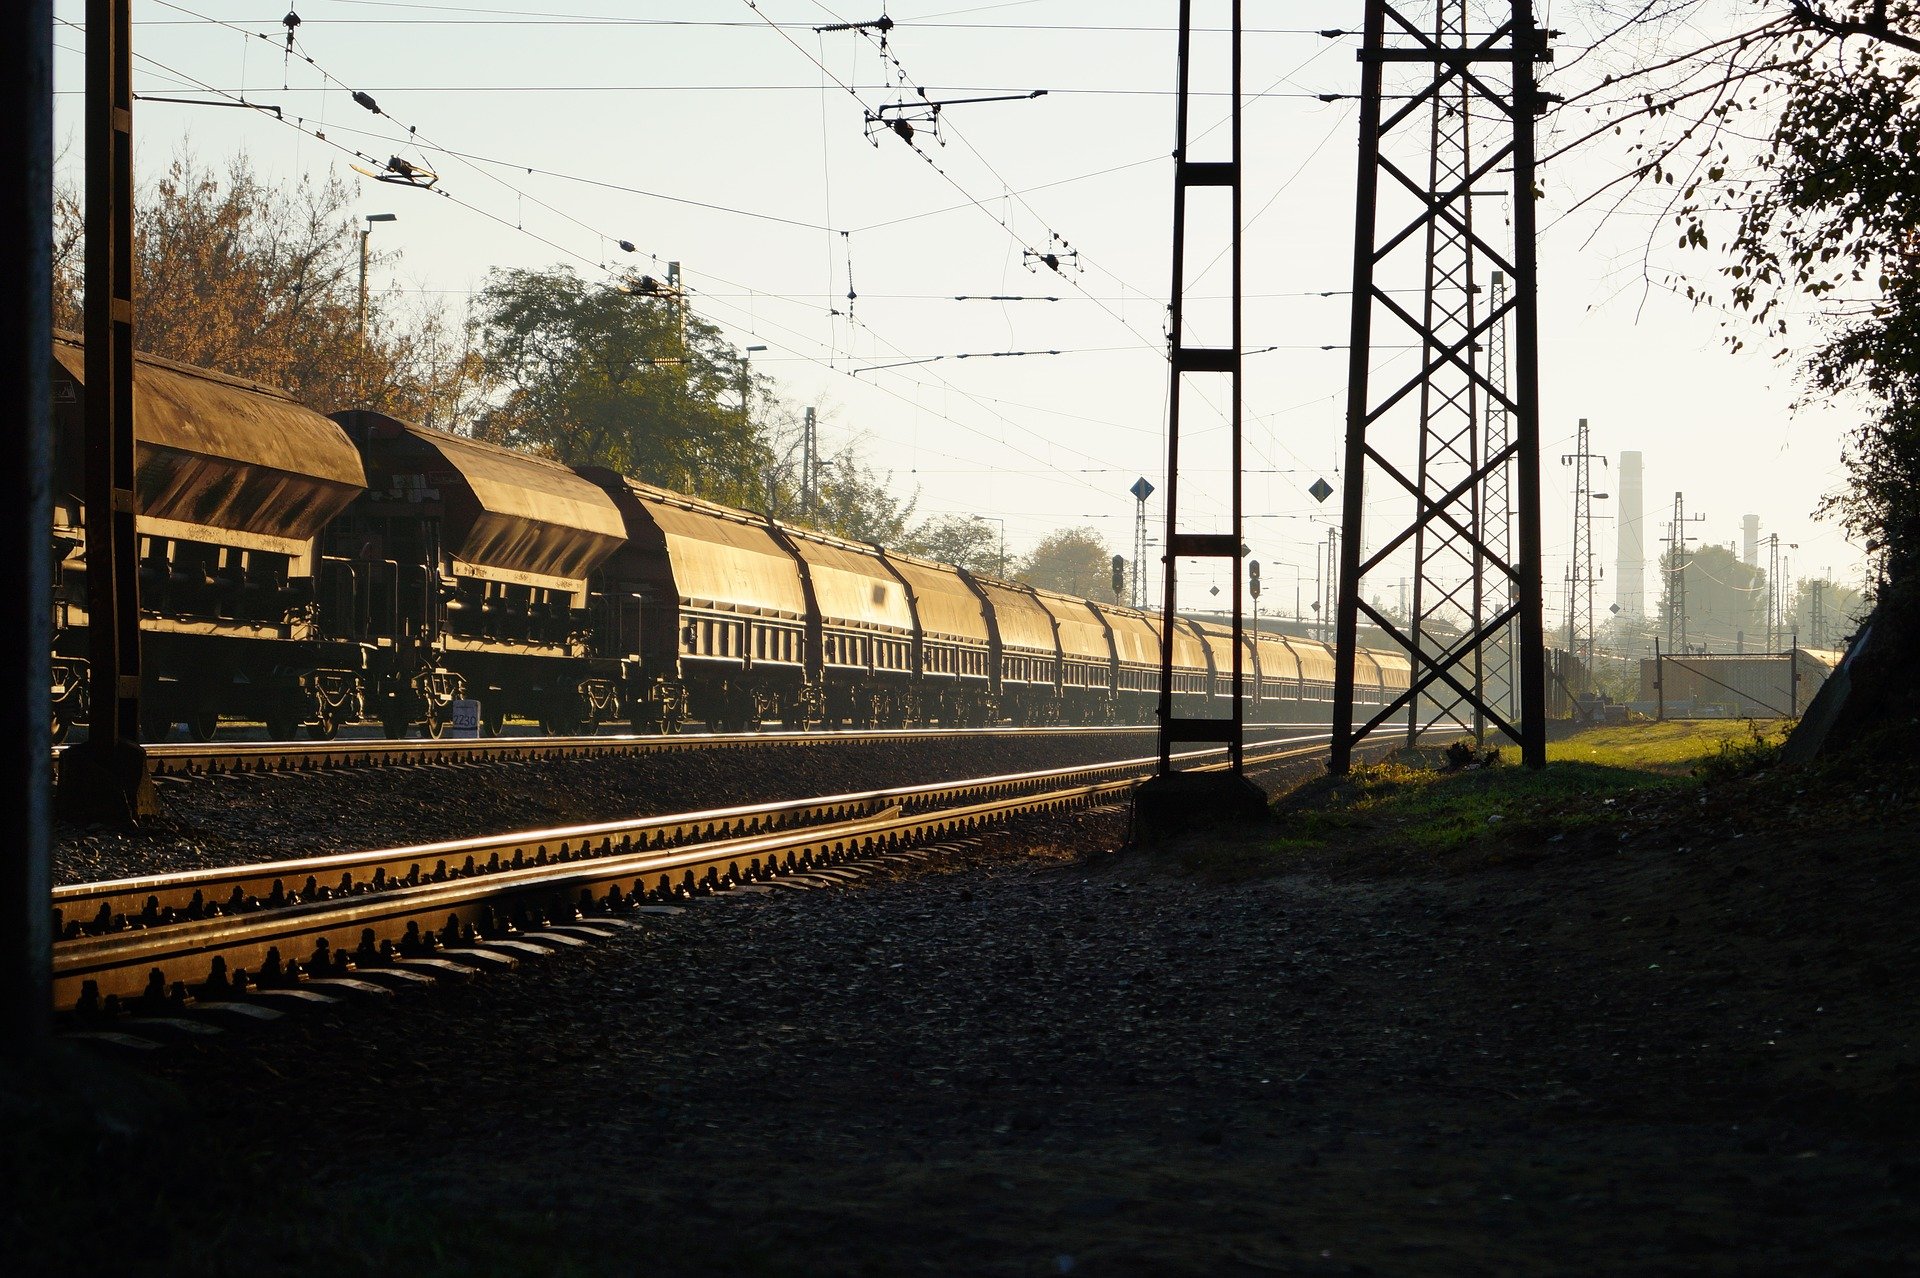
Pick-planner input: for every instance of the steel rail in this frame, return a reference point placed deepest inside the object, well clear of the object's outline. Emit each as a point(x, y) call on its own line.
point(195, 759)
point(377, 929)
point(155, 900)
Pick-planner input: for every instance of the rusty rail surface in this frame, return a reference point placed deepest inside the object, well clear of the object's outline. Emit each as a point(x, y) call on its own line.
point(190, 759)
point(394, 911)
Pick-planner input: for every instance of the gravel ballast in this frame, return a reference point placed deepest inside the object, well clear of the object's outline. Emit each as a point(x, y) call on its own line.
point(1689, 1053)
point(243, 819)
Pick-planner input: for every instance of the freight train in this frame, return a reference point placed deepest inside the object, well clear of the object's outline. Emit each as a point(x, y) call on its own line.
point(310, 571)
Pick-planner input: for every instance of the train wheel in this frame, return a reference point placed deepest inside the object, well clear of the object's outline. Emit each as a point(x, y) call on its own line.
point(493, 718)
point(324, 726)
point(282, 726)
point(58, 731)
point(436, 725)
point(203, 724)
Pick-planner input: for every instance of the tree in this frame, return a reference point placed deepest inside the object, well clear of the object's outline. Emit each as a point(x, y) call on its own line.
point(1726, 599)
point(856, 503)
point(248, 277)
point(966, 541)
point(1818, 214)
point(621, 376)
point(1825, 613)
point(1074, 561)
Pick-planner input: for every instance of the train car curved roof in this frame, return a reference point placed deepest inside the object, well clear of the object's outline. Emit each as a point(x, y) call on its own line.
point(1082, 636)
point(948, 608)
point(1189, 653)
point(218, 455)
point(1315, 658)
point(721, 557)
point(1219, 641)
point(506, 514)
point(1135, 640)
point(1277, 660)
point(1023, 622)
point(1396, 668)
point(850, 582)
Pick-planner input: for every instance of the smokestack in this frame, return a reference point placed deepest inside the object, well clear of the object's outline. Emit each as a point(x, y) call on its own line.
point(1750, 541)
point(1630, 581)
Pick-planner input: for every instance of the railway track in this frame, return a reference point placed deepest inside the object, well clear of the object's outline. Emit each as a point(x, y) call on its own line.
point(186, 759)
point(365, 918)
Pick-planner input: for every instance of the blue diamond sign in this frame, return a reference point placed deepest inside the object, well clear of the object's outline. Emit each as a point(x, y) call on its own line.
point(1321, 490)
point(1141, 489)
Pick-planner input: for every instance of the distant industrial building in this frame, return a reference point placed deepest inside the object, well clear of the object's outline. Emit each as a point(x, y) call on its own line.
point(1630, 579)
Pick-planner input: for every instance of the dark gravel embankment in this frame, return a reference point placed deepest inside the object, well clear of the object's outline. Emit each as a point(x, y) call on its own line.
point(235, 820)
point(1656, 1058)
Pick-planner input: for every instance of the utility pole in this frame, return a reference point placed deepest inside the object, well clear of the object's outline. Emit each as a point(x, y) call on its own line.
point(26, 354)
point(1329, 590)
point(1677, 575)
point(1817, 613)
point(1580, 568)
point(809, 465)
point(366, 231)
point(106, 775)
point(1777, 590)
point(746, 418)
point(1475, 91)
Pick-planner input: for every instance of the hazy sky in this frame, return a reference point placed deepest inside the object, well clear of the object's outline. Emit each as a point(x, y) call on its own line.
point(705, 135)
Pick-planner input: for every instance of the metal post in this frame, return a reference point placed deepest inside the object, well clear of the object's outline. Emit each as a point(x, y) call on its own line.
point(106, 776)
point(366, 231)
point(1659, 682)
point(1172, 800)
point(26, 223)
point(1449, 76)
point(1184, 360)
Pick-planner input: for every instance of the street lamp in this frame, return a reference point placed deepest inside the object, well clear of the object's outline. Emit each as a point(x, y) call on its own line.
point(365, 231)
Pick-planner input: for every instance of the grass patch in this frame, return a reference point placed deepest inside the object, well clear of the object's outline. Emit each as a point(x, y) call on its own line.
point(1412, 811)
point(1670, 746)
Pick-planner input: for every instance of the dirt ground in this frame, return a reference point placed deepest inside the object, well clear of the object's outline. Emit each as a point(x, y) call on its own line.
point(1678, 1040)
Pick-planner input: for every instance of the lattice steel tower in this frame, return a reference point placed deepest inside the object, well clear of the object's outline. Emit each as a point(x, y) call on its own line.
point(1495, 674)
point(1420, 441)
point(1582, 573)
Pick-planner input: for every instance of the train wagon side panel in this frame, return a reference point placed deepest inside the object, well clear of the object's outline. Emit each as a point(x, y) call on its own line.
point(1279, 675)
point(955, 644)
point(701, 592)
point(866, 620)
point(1029, 650)
point(1086, 647)
point(1316, 669)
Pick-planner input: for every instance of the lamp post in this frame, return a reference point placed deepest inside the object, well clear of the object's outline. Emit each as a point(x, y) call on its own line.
point(1001, 571)
point(365, 231)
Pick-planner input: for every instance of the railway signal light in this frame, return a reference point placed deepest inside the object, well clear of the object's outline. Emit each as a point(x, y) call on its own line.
point(1119, 575)
point(1253, 577)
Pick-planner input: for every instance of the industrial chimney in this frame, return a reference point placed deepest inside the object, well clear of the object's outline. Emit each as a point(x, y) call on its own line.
point(1750, 540)
point(1630, 581)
